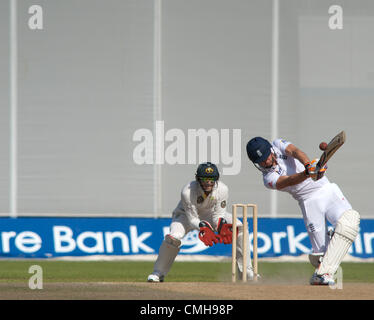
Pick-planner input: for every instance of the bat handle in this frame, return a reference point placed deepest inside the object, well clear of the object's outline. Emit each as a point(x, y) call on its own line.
point(320, 162)
point(318, 166)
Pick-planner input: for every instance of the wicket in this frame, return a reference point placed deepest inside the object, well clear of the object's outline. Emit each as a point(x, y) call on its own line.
point(245, 244)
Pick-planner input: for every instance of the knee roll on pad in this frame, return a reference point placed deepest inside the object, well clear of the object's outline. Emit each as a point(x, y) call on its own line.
point(172, 241)
point(348, 224)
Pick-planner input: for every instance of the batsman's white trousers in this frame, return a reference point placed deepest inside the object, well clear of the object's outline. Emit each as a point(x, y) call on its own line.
point(329, 204)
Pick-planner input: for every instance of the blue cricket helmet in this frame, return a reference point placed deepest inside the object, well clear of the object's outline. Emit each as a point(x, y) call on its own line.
point(258, 149)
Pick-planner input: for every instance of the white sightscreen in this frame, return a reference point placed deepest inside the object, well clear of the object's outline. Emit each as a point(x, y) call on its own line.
point(85, 85)
point(4, 108)
point(88, 100)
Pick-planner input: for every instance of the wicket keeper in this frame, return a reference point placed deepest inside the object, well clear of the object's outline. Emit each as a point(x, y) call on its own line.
point(202, 207)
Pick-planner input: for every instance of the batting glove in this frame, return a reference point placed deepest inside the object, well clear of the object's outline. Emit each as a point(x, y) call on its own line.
point(314, 171)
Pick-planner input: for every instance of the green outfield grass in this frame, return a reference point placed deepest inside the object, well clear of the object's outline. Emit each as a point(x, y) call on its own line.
point(131, 271)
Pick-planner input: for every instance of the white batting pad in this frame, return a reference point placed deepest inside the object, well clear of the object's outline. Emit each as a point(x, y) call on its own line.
point(345, 233)
point(169, 249)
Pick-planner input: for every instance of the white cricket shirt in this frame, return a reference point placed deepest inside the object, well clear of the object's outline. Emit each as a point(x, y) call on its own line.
point(287, 166)
point(197, 206)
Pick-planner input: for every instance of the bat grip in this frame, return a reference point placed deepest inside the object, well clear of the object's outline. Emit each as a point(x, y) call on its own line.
point(321, 162)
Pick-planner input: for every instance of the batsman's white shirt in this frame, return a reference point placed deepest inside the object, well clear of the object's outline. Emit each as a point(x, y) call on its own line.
point(319, 200)
point(287, 166)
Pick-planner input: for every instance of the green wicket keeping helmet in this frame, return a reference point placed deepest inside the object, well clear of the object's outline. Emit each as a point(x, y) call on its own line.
point(207, 170)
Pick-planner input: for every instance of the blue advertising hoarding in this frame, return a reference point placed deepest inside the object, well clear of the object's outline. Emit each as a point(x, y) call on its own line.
point(57, 237)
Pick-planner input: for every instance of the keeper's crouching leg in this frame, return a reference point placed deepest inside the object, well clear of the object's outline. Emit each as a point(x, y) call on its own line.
point(346, 231)
point(239, 254)
point(169, 249)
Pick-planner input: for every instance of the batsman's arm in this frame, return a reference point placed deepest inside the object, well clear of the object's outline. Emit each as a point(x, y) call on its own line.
point(287, 181)
point(296, 153)
point(280, 182)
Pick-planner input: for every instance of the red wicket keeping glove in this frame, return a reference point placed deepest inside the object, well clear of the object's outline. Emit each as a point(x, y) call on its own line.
point(207, 234)
point(225, 230)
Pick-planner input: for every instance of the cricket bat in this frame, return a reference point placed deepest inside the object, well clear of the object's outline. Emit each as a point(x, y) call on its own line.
point(331, 148)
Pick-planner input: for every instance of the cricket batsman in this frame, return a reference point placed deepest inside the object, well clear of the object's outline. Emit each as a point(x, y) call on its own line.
point(202, 207)
point(286, 168)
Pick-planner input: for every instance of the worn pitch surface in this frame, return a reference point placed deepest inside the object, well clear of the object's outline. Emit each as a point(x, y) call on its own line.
point(185, 290)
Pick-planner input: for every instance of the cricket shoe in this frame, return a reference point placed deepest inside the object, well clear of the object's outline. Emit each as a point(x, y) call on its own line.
point(322, 280)
point(155, 278)
point(250, 275)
